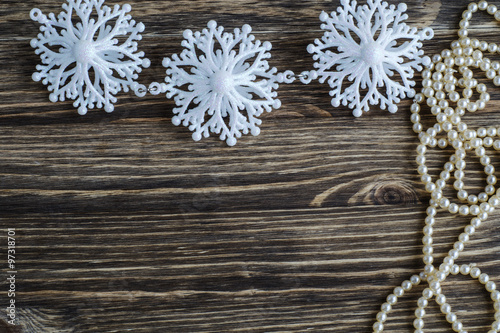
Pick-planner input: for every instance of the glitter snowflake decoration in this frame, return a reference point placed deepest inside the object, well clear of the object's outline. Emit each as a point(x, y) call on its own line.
point(86, 54)
point(221, 82)
point(368, 45)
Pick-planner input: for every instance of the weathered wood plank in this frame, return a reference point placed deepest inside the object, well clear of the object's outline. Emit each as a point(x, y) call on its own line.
point(124, 224)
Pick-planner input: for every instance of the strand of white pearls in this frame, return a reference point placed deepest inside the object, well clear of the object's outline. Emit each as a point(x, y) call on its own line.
point(439, 93)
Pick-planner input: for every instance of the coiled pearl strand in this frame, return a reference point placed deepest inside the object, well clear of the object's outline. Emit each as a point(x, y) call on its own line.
point(439, 93)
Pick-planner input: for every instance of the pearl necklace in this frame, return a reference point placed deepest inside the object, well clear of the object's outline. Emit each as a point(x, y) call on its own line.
point(448, 105)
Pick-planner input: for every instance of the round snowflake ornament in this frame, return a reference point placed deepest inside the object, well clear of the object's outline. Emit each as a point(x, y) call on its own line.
point(367, 48)
point(221, 83)
point(88, 53)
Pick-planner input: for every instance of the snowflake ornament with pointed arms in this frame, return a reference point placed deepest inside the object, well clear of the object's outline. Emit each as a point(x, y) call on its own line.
point(88, 53)
point(364, 47)
point(221, 82)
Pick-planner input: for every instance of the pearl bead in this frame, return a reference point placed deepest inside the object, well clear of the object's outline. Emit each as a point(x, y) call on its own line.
point(378, 327)
point(485, 160)
point(474, 209)
point(469, 230)
point(398, 291)
point(448, 261)
point(440, 67)
point(406, 285)
point(457, 326)
point(482, 5)
point(459, 61)
point(440, 95)
point(490, 74)
point(480, 151)
point(483, 278)
point(472, 107)
point(445, 308)
point(496, 144)
point(494, 201)
point(441, 275)
point(459, 174)
point(465, 41)
point(481, 105)
point(422, 302)
point(459, 246)
point(475, 272)
point(460, 165)
point(428, 259)
point(489, 189)
point(465, 269)
point(418, 323)
point(491, 9)
point(485, 66)
point(483, 46)
point(451, 317)
point(453, 254)
point(429, 92)
point(392, 299)
point(427, 293)
point(454, 96)
point(485, 207)
point(419, 313)
point(381, 317)
point(462, 195)
point(449, 104)
point(436, 58)
point(386, 307)
point(492, 48)
point(463, 237)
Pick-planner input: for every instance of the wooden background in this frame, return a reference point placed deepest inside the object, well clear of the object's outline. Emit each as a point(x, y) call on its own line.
point(125, 224)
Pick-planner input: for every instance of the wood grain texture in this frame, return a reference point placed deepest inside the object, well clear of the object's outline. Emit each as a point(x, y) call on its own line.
point(125, 224)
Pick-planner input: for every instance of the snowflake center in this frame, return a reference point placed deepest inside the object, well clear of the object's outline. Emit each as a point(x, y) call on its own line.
point(84, 51)
point(222, 82)
point(372, 53)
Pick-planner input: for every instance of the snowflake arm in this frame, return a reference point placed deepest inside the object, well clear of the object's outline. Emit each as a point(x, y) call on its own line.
point(81, 54)
point(221, 83)
point(368, 45)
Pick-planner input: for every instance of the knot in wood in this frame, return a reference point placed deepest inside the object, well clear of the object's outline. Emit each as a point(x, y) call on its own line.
point(394, 193)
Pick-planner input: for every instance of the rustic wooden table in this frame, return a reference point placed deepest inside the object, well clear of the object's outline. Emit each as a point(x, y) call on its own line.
point(123, 223)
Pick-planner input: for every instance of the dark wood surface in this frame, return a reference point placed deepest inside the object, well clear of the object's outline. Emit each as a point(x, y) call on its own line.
point(124, 224)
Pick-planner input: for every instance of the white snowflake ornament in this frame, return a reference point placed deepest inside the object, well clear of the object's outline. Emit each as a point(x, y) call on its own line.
point(221, 83)
point(364, 47)
point(88, 53)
